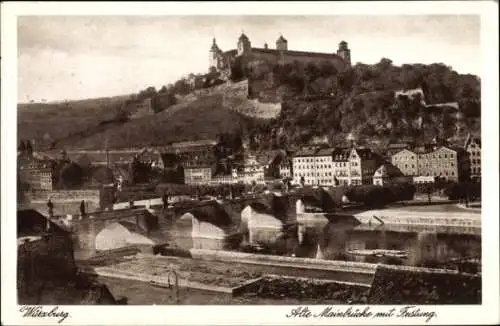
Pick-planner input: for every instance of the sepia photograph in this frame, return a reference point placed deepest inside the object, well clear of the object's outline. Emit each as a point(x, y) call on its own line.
point(263, 160)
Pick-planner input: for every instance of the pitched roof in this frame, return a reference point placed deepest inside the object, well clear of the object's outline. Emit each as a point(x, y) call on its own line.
point(281, 39)
point(243, 37)
point(325, 152)
point(387, 170)
point(306, 152)
point(318, 55)
point(365, 153)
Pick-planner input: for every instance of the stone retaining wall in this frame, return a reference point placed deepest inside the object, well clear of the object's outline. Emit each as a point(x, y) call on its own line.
point(414, 285)
point(64, 195)
point(329, 265)
point(428, 218)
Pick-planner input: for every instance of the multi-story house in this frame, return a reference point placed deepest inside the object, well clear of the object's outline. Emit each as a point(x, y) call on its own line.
point(304, 167)
point(285, 168)
point(332, 167)
point(406, 161)
point(342, 167)
point(35, 173)
point(198, 173)
point(253, 171)
point(324, 169)
point(473, 148)
point(443, 162)
point(363, 163)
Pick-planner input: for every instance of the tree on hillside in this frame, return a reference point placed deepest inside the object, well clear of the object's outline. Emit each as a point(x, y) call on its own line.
point(70, 176)
point(182, 87)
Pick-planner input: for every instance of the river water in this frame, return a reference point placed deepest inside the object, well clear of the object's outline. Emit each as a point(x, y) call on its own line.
point(429, 246)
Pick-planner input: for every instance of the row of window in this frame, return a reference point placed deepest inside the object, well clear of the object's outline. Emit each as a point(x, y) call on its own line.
point(446, 173)
point(324, 166)
point(311, 160)
point(474, 153)
point(407, 158)
point(407, 166)
point(476, 161)
point(476, 170)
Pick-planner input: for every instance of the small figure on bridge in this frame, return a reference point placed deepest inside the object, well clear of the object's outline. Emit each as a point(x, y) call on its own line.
point(50, 206)
point(165, 201)
point(82, 208)
point(131, 203)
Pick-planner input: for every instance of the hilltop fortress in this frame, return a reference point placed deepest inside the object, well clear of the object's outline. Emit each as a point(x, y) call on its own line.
point(222, 60)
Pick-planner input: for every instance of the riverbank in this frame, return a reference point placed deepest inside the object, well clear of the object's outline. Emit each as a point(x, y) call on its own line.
point(129, 278)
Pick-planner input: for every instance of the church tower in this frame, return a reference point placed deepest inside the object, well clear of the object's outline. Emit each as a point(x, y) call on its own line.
point(244, 45)
point(282, 44)
point(344, 53)
point(214, 55)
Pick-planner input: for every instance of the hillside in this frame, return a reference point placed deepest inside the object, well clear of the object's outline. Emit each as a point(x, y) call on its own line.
point(375, 104)
point(277, 106)
point(202, 118)
point(47, 122)
point(85, 124)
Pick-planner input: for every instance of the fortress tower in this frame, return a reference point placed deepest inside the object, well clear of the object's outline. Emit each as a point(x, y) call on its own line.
point(244, 45)
point(214, 55)
point(282, 44)
point(344, 52)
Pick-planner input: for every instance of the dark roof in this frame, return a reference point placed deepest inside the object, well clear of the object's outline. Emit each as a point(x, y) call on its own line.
point(299, 53)
point(281, 39)
point(365, 153)
point(243, 37)
point(325, 152)
point(341, 154)
point(389, 170)
point(306, 152)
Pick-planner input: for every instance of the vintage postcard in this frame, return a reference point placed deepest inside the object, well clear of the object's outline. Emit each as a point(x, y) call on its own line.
point(250, 163)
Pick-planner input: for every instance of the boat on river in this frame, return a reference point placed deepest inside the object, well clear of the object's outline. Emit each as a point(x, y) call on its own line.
point(378, 253)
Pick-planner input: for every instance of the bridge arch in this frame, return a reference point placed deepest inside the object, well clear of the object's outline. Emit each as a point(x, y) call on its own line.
point(119, 234)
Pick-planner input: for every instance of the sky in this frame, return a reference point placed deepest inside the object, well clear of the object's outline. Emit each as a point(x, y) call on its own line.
point(76, 57)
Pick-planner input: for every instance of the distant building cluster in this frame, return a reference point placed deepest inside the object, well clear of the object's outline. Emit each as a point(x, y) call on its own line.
point(196, 163)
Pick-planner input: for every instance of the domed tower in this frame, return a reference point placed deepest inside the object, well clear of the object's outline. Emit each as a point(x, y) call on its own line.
point(244, 45)
point(282, 44)
point(215, 55)
point(344, 52)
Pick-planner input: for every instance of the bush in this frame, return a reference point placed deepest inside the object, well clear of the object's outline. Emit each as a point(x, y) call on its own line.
point(381, 195)
point(467, 191)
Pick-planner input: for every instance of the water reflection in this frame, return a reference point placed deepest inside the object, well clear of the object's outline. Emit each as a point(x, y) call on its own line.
point(338, 241)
